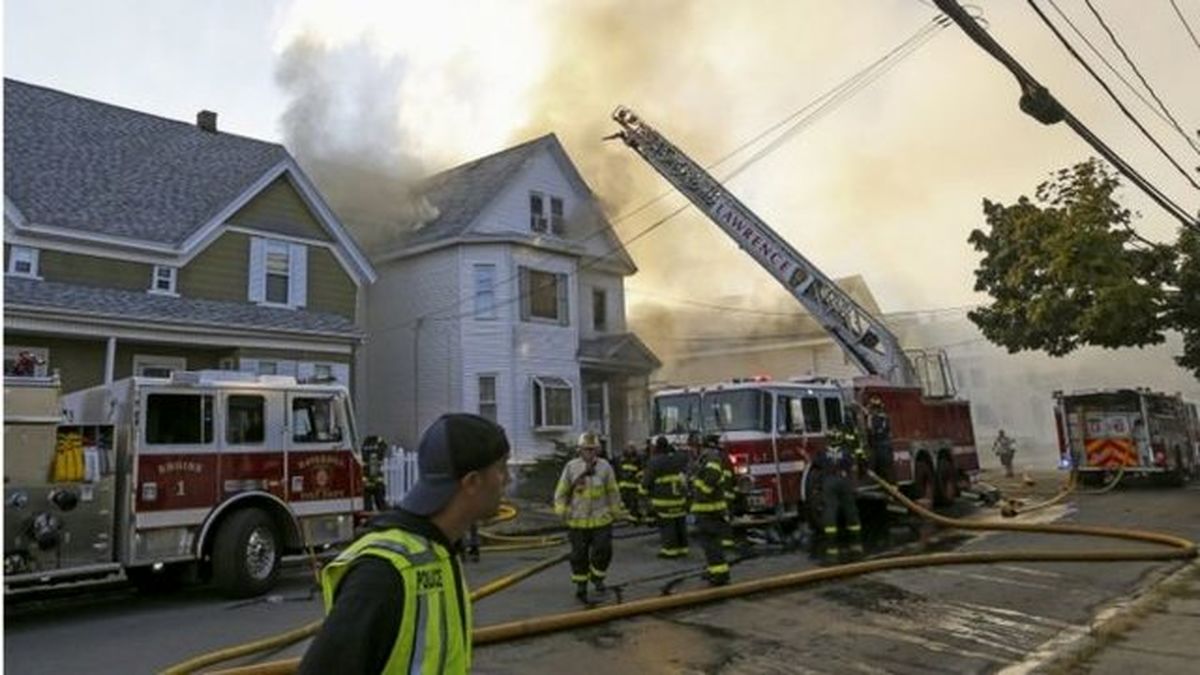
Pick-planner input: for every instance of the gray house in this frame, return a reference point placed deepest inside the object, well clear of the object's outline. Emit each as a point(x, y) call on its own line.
point(509, 302)
point(138, 245)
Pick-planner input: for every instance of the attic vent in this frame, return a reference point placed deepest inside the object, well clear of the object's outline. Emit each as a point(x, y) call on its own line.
point(207, 121)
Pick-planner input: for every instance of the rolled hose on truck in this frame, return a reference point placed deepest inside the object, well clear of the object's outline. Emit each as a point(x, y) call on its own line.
point(1171, 548)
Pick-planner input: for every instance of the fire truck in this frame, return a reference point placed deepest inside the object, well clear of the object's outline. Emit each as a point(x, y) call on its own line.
point(773, 430)
point(216, 473)
point(1137, 431)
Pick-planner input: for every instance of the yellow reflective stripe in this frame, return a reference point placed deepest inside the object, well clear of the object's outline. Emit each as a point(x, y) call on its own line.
point(670, 478)
point(703, 486)
point(589, 523)
point(708, 507)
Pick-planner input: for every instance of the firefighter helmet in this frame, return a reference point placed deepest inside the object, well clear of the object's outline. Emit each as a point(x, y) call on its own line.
point(874, 403)
point(588, 439)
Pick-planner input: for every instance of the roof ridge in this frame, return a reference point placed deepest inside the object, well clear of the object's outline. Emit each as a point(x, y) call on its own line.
point(142, 113)
point(480, 160)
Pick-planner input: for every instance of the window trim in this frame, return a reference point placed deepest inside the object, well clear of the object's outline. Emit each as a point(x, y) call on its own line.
point(157, 361)
point(277, 247)
point(25, 254)
point(494, 401)
point(172, 280)
point(484, 311)
point(600, 325)
point(558, 222)
point(538, 416)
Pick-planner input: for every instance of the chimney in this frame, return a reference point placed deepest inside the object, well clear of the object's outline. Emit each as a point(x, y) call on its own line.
point(207, 121)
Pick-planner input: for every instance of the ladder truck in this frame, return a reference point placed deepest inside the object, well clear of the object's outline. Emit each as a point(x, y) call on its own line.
point(773, 442)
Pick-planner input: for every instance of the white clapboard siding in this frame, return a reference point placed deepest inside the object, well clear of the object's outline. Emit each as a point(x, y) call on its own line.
point(399, 473)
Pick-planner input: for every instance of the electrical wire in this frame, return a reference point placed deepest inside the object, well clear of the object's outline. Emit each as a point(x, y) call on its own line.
point(1129, 85)
point(1138, 71)
point(1185, 24)
point(822, 104)
point(1108, 90)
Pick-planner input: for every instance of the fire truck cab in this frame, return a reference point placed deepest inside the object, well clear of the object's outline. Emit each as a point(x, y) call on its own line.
point(772, 430)
point(1136, 431)
point(219, 472)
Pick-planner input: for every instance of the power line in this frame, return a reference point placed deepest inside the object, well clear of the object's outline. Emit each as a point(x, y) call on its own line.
point(1108, 90)
point(823, 103)
point(1129, 85)
point(1137, 71)
point(1185, 24)
point(1044, 107)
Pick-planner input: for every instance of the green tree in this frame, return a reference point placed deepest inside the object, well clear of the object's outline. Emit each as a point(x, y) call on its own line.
point(1066, 269)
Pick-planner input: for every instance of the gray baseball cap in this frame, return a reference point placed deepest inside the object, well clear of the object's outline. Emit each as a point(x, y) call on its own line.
point(453, 446)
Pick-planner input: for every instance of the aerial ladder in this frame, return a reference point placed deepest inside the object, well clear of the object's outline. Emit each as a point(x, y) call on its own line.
point(866, 340)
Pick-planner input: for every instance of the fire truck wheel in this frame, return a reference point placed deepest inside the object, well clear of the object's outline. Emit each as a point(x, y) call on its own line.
point(947, 482)
point(246, 554)
point(924, 482)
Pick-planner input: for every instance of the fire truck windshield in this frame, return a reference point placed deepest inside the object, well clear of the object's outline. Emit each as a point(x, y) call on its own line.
point(677, 414)
point(739, 410)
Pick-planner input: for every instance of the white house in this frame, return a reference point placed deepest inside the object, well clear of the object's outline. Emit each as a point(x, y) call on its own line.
point(509, 303)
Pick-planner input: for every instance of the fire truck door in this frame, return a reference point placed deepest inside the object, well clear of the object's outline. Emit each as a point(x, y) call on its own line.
point(322, 469)
point(252, 443)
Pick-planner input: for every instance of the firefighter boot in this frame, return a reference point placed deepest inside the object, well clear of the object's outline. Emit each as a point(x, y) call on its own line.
point(581, 593)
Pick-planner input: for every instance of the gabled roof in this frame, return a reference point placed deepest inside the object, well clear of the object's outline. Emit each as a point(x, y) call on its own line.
point(461, 193)
point(26, 296)
point(623, 352)
point(79, 164)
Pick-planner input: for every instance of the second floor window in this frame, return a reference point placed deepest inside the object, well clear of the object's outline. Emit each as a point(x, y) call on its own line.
point(485, 291)
point(599, 309)
point(163, 280)
point(278, 271)
point(487, 397)
point(23, 261)
point(543, 296)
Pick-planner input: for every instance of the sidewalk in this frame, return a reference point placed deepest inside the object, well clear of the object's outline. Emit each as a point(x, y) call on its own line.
point(1161, 638)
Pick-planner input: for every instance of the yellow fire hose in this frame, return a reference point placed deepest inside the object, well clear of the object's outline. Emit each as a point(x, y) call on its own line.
point(1175, 548)
point(308, 630)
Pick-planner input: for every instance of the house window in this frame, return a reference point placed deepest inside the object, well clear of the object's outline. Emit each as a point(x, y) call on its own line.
point(157, 366)
point(179, 419)
point(537, 213)
point(485, 291)
point(487, 397)
point(268, 368)
point(26, 361)
point(557, 223)
point(278, 272)
point(163, 280)
point(543, 296)
point(553, 405)
point(599, 309)
point(245, 422)
point(23, 261)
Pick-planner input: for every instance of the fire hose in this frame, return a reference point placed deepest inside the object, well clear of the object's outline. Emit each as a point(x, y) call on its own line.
point(1170, 547)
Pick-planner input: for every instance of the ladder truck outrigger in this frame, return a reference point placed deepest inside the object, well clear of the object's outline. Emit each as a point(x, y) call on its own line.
point(773, 430)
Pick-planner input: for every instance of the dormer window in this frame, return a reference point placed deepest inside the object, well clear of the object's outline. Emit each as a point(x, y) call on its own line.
point(163, 280)
point(23, 262)
point(546, 213)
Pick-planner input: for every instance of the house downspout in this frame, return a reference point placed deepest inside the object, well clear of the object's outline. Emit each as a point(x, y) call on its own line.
point(110, 360)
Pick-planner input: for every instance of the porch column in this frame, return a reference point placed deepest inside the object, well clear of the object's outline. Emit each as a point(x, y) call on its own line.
point(604, 408)
point(110, 360)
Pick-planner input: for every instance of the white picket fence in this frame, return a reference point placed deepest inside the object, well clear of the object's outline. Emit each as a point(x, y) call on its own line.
point(399, 473)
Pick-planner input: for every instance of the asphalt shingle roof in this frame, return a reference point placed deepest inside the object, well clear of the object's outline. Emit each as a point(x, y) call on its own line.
point(79, 164)
point(462, 192)
point(142, 306)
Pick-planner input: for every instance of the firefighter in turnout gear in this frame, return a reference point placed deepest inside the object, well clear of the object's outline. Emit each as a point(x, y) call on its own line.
point(665, 482)
point(630, 481)
point(843, 452)
point(879, 438)
point(711, 510)
point(374, 487)
point(588, 498)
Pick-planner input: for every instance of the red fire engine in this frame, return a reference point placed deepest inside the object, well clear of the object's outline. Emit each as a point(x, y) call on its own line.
point(773, 430)
point(217, 471)
point(1137, 431)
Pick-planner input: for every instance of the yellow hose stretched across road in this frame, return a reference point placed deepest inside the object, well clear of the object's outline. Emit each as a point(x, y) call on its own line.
point(1174, 548)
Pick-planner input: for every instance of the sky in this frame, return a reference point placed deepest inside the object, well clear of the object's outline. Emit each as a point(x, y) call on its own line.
point(888, 185)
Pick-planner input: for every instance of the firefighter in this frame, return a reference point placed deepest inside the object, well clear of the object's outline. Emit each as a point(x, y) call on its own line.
point(665, 482)
point(374, 486)
point(379, 591)
point(728, 487)
point(837, 463)
point(1005, 449)
point(711, 510)
point(588, 498)
point(630, 481)
point(879, 438)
